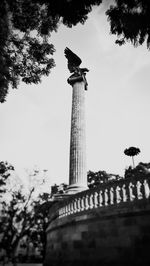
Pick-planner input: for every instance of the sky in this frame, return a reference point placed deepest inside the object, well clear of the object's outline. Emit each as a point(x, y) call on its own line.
point(36, 119)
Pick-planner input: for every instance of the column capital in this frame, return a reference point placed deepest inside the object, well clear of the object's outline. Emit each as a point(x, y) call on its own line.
point(75, 77)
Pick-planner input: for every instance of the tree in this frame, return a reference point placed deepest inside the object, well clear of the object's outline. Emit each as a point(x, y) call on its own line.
point(38, 234)
point(129, 19)
point(22, 217)
point(141, 170)
point(5, 172)
point(26, 25)
point(25, 28)
point(132, 151)
point(100, 177)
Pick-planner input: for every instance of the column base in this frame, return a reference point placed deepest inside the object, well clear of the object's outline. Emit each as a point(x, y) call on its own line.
point(73, 189)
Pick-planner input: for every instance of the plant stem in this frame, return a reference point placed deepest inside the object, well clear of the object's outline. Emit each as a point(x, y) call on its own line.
point(133, 161)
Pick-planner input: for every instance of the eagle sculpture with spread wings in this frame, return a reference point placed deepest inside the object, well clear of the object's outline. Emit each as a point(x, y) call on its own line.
point(74, 62)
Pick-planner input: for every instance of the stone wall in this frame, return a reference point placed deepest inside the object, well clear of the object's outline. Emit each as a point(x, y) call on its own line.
point(111, 234)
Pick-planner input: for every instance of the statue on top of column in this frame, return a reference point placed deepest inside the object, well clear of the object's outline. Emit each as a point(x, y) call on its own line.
point(74, 63)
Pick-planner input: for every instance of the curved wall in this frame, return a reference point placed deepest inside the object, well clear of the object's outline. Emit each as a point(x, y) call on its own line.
point(112, 234)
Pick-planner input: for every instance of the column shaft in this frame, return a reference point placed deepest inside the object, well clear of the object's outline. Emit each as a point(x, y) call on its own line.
point(78, 172)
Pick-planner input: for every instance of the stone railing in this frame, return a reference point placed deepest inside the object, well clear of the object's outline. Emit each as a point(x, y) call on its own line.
point(113, 193)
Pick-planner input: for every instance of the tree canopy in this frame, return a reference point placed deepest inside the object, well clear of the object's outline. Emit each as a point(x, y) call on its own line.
point(26, 25)
point(132, 151)
point(140, 171)
point(25, 28)
point(101, 177)
point(130, 20)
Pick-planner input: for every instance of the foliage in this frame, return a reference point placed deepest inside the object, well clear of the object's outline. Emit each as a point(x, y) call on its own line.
point(41, 212)
point(5, 172)
point(129, 20)
point(100, 177)
point(58, 189)
point(26, 25)
point(25, 28)
point(140, 170)
point(132, 151)
point(24, 215)
point(25, 54)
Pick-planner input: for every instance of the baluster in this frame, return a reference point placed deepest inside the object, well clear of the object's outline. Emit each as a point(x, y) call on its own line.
point(63, 211)
point(75, 205)
point(66, 210)
point(131, 186)
point(111, 195)
point(95, 199)
point(134, 190)
point(87, 202)
point(100, 198)
point(127, 190)
point(91, 201)
point(106, 197)
point(103, 197)
point(82, 203)
point(143, 189)
point(148, 183)
point(121, 193)
point(115, 195)
point(69, 209)
point(79, 204)
point(118, 197)
point(124, 193)
point(81, 208)
point(72, 208)
point(138, 185)
point(60, 213)
point(147, 190)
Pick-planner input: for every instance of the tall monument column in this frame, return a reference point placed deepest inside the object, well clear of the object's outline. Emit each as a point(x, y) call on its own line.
point(77, 168)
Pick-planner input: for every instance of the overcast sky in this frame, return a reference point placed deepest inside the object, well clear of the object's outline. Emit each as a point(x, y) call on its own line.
point(35, 120)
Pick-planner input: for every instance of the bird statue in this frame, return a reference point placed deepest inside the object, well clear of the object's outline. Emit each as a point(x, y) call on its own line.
point(74, 63)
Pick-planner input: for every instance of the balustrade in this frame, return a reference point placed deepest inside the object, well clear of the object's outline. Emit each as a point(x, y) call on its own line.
point(109, 194)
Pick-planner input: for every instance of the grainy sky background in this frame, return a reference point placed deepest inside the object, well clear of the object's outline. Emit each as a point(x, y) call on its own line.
point(35, 120)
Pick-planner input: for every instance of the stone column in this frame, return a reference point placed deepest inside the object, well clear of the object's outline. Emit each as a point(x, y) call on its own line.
point(77, 169)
